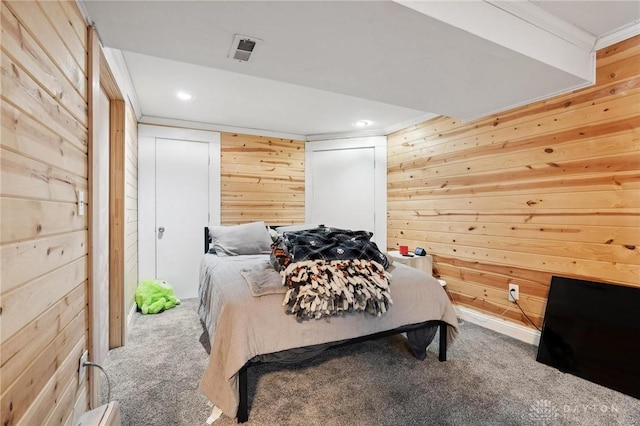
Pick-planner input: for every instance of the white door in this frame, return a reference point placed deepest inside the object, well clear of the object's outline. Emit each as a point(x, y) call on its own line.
point(344, 188)
point(182, 210)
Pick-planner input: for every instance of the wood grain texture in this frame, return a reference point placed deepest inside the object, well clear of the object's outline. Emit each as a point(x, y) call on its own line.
point(43, 244)
point(26, 260)
point(66, 403)
point(22, 348)
point(27, 302)
point(21, 46)
point(60, 22)
point(24, 219)
point(131, 211)
point(262, 178)
point(21, 90)
point(51, 394)
point(550, 188)
point(23, 177)
point(16, 400)
point(79, 407)
point(24, 135)
point(97, 290)
point(75, 20)
point(117, 147)
point(36, 22)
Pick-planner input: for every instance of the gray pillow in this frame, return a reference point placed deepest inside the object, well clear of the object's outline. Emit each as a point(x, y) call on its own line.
point(296, 227)
point(248, 238)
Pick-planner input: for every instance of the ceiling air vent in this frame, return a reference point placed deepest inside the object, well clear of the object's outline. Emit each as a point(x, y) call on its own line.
point(242, 47)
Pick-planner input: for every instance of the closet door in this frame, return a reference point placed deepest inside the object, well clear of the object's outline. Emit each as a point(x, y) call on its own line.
point(182, 210)
point(178, 195)
point(346, 184)
point(344, 188)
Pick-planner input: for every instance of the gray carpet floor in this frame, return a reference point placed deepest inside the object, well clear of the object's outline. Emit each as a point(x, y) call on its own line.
point(489, 379)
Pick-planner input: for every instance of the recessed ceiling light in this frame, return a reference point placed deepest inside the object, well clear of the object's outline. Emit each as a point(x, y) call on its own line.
point(362, 123)
point(184, 96)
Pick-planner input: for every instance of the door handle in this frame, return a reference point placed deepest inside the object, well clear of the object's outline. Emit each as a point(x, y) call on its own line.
point(160, 231)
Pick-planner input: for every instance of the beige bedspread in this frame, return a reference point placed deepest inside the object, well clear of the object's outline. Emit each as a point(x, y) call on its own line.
point(242, 326)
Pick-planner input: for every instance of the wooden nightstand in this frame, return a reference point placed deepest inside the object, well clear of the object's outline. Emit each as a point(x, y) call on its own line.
point(424, 263)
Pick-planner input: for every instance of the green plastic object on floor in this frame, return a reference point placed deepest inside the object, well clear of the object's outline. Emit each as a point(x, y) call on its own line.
point(154, 296)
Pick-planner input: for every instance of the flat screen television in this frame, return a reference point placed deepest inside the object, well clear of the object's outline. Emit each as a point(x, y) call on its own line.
point(592, 330)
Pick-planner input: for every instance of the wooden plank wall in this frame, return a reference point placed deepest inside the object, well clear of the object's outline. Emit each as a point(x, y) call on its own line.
point(130, 209)
point(548, 188)
point(43, 241)
point(261, 178)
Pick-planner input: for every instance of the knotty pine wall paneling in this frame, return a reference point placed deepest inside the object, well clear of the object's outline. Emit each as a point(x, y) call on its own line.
point(43, 241)
point(130, 210)
point(550, 188)
point(261, 178)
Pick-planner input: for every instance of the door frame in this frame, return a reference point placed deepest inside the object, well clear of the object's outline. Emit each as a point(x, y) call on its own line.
point(100, 78)
point(147, 135)
point(379, 143)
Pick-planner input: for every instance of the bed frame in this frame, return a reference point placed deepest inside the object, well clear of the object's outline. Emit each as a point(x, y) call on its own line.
point(243, 404)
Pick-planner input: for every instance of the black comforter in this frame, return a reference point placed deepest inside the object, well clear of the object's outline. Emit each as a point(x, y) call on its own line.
point(325, 243)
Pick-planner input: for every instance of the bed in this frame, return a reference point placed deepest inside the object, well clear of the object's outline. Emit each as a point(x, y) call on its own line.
point(246, 326)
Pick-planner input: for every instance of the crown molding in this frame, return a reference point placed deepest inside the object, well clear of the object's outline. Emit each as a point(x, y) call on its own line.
point(612, 37)
point(196, 125)
point(372, 132)
point(548, 22)
point(345, 135)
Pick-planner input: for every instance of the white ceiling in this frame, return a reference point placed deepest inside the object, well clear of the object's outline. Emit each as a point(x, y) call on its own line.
point(595, 17)
point(233, 99)
point(324, 65)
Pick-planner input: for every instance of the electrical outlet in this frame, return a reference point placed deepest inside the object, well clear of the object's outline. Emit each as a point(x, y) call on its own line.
point(82, 369)
point(515, 294)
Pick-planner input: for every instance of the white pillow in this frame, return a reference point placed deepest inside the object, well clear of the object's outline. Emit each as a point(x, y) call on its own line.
point(234, 240)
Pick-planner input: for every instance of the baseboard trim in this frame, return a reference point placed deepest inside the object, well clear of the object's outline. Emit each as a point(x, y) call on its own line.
point(516, 331)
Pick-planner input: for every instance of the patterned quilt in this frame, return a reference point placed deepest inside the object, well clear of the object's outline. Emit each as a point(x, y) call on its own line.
point(319, 288)
point(331, 271)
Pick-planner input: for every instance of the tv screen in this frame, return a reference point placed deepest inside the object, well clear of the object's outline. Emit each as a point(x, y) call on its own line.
point(592, 330)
